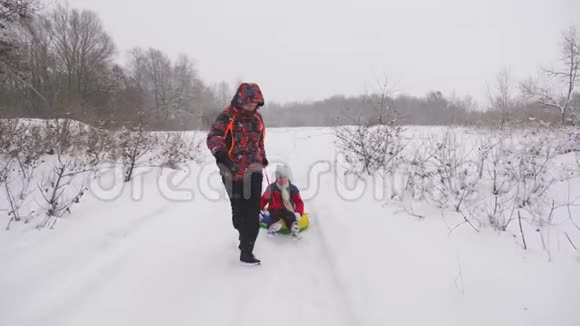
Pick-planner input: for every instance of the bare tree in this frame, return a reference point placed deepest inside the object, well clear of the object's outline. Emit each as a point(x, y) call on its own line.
point(42, 79)
point(152, 70)
point(16, 18)
point(501, 97)
point(12, 13)
point(173, 92)
point(13, 10)
point(560, 96)
point(125, 99)
point(83, 51)
point(223, 94)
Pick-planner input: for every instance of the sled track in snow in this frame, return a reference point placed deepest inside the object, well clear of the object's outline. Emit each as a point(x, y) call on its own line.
point(95, 268)
point(351, 318)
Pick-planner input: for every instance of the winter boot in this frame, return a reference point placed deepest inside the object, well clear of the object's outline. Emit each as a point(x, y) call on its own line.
point(247, 257)
point(275, 227)
point(294, 230)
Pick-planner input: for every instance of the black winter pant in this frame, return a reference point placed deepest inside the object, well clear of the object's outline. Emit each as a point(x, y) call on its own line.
point(282, 214)
point(245, 201)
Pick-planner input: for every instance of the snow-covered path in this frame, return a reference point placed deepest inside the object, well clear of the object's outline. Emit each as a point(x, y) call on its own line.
point(156, 261)
point(169, 265)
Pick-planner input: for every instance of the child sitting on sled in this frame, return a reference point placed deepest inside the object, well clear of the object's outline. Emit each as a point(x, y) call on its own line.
point(284, 202)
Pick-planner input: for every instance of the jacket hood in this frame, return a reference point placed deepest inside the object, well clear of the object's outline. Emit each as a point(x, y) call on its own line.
point(248, 93)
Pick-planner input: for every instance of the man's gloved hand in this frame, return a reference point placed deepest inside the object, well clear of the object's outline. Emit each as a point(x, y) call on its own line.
point(221, 157)
point(265, 162)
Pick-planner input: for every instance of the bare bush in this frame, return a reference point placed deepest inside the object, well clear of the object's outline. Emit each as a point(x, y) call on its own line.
point(134, 150)
point(99, 146)
point(500, 211)
point(68, 153)
point(59, 191)
point(519, 174)
point(485, 146)
point(4, 168)
point(455, 176)
point(506, 176)
point(139, 148)
point(9, 129)
point(416, 176)
point(471, 182)
point(374, 145)
point(571, 141)
point(24, 143)
point(58, 135)
point(532, 173)
point(17, 185)
point(369, 149)
point(21, 152)
point(176, 151)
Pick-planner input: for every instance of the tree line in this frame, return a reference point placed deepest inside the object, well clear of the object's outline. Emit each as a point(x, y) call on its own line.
point(60, 63)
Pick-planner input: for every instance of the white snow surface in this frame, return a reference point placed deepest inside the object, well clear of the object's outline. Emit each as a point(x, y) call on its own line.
point(152, 256)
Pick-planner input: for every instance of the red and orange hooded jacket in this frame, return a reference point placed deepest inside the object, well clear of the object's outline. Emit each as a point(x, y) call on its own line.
point(239, 132)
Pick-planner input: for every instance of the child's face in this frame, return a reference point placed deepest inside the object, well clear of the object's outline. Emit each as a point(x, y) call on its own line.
point(282, 180)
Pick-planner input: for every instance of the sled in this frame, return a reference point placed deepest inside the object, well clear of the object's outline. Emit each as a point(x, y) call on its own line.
point(303, 223)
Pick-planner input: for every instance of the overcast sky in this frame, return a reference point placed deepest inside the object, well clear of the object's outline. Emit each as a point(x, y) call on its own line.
point(311, 49)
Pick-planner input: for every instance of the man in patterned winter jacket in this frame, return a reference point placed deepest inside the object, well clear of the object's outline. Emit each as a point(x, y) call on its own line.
point(236, 140)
